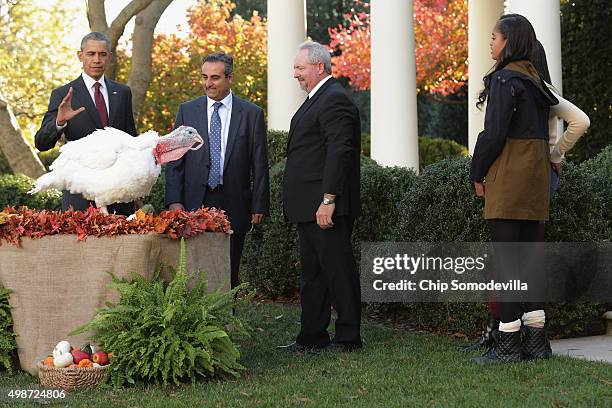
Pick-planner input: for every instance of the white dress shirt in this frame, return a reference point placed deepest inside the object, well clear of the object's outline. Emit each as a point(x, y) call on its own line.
point(225, 113)
point(317, 86)
point(89, 84)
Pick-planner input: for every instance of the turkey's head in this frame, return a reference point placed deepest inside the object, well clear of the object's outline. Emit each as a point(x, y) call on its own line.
point(174, 145)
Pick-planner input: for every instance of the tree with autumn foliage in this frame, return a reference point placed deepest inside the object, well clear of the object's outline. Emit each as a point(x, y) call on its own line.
point(36, 54)
point(177, 60)
point(441, 46)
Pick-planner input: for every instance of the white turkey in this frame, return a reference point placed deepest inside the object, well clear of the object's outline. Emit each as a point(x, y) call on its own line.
point(110, 166)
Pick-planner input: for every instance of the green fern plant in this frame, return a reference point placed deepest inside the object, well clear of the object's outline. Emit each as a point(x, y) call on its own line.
point(168, 333)
point(7, 336)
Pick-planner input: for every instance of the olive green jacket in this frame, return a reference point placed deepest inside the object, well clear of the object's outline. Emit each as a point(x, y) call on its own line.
point(512, 153)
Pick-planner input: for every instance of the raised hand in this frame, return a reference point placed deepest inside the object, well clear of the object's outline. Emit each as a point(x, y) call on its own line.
point(65, 111)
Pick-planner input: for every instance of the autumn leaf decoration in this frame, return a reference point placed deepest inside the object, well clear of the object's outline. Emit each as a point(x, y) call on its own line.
point(24, 222)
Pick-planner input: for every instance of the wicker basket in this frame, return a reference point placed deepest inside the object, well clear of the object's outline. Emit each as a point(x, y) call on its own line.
point(70, 378)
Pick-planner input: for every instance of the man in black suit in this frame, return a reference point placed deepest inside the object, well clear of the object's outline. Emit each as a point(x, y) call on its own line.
point(104, 103)
point(230, 172)
point(321, 195)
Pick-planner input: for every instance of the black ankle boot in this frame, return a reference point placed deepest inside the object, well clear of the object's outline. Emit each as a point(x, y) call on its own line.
point(535, 343)
point(506, 350)
point(487, 339)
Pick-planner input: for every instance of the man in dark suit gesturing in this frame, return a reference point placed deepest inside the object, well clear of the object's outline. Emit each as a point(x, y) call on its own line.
point(230, 172)
point(88, 103)
point(321, 195)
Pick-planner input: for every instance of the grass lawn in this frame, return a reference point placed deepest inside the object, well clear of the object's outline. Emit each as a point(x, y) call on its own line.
point(395, 369)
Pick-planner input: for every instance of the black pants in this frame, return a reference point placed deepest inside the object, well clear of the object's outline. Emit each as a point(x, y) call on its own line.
point(516, 231)
point(79, 203)
point(329, 277)
point(214, 198)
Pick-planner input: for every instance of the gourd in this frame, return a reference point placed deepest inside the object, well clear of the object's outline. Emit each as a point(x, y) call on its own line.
point(61, 348)
point(63, 360)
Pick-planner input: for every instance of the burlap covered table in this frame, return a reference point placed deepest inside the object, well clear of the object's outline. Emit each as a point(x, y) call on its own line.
point(57, 283)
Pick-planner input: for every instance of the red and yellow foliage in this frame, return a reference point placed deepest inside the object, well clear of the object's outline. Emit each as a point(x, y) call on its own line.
point(441, 46)
point(177, 60)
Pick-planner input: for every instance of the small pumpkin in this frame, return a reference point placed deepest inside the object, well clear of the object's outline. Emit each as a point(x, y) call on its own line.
point(85, 363)
point(48, 361)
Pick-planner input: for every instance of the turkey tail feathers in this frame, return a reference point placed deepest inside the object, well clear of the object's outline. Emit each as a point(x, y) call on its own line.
point(44, 182)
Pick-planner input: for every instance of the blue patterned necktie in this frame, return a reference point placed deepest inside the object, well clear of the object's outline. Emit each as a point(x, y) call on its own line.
point(214, 138)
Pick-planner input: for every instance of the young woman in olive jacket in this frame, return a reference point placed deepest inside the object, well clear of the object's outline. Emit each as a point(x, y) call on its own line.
point(577, 124)
point(511, 170)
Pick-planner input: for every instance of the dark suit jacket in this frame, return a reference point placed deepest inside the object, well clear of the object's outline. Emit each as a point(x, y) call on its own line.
point(120, 113)
point(323, 153)
point(120, 117)
point(246, 185)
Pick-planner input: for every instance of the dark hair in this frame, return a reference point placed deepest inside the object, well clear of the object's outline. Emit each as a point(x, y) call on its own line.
point(538, 59)
point(221, 57)
point(96, 36)
point(520, 42)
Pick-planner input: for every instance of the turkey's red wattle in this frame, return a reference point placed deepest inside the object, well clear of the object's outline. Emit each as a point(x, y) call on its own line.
point(167, 152)
point(158, 150)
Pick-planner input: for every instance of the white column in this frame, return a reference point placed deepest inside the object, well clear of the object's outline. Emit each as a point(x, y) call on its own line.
point(482, 15)
point(286, 30)
point(545, 16)
point(393, 89)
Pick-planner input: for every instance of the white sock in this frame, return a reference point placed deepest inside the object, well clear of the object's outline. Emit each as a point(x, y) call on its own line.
point(510, 327)
point(535, 318)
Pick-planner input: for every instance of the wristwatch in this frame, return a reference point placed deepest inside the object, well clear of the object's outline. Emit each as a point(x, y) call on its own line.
point(328, 201)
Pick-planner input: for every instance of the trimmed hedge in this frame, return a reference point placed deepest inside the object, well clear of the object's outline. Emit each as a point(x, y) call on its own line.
point(434, 149)
point(441, 206)
point(587, 67)
point(277, 146)
point(13, 191)
point(599, 169)
point(272, 270)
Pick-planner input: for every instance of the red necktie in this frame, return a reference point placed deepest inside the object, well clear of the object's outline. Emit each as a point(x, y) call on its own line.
point(100, 105)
